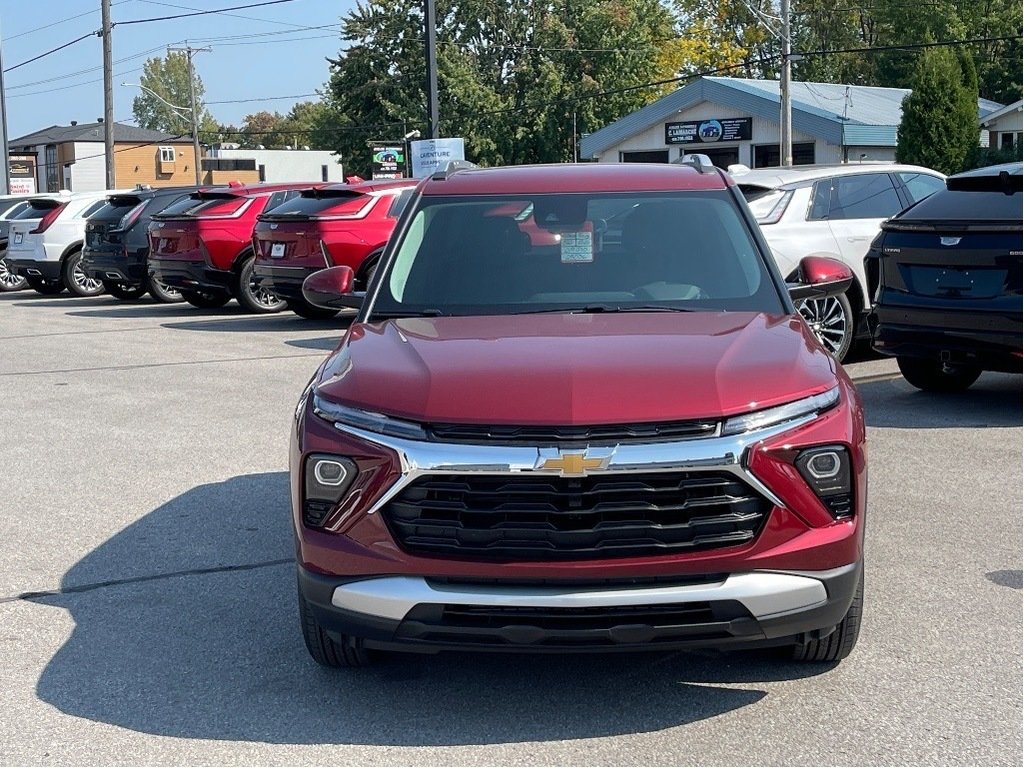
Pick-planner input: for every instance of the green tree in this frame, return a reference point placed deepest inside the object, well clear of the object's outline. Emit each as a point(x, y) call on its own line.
point(514, 79)
point(939, 126)
point(168, 79)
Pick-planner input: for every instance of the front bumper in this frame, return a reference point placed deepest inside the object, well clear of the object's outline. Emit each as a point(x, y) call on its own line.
point(988, 340)
point(286, 282)
point(190, 275)
point(757, 608)
point(47, 270)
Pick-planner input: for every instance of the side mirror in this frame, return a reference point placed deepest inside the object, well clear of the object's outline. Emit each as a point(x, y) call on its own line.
point(820, 277)
point(332, 289)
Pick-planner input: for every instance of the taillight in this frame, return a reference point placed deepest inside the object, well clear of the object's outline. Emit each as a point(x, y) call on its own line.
point(132, 216)
point(48, 219)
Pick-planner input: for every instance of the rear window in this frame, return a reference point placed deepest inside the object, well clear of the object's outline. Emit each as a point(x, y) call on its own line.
point(967, 206)
point(36, 209)
point(310, 205)
point(115, 208)
point(202, 205)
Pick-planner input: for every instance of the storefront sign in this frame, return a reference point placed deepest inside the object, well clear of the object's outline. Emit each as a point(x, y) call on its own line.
point(432, 155)
point(388, 161)
point(708, 131)
point(22, 175)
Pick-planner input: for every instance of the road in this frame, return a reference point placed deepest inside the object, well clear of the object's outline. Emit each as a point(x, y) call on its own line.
point(147, 608)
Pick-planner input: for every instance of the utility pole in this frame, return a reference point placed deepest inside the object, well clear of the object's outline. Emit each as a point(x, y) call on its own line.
point(430, 22)
point(785, 97)
point(189, 51)
point(6, 187)
point(108, 94)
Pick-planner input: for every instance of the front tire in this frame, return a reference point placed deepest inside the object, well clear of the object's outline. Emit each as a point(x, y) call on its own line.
point(934, 376)
point(125, 292)
point(10, 281)
point(76, 280)
point(45, 287)
point(327, 651)
point(250, 295)
point(205, 300)
point(838, 645)
point(832, 321)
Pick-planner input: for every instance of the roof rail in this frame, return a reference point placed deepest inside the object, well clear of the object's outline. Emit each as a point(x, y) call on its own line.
point(452, 167)
point(702, 163)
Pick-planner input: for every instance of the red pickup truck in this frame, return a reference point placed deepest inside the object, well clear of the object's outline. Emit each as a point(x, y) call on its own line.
point(622, 436)
point(202, 245)
point(324, 227)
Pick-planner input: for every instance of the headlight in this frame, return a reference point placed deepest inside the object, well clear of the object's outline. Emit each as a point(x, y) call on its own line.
point(367, 420)
point(780, 414)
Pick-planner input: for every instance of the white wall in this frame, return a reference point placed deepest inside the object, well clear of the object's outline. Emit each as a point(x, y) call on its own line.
point(289, 164)
point(89, 171)
point(762, 132)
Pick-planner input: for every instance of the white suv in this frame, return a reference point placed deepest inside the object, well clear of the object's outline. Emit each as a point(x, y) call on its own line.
point(834, 210)
point(45, 242)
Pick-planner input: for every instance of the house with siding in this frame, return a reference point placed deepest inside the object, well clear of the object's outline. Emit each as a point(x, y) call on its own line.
point(736, 121)
point(72, 157)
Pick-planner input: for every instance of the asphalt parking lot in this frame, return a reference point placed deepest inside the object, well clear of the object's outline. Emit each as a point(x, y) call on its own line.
point(147, 608)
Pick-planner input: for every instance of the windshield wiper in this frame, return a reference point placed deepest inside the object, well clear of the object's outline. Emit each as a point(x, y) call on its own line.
point(594, 309)
point(416, 313)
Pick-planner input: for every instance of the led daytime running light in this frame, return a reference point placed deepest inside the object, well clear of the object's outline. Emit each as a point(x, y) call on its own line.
point(343, 416)
point(748, 422)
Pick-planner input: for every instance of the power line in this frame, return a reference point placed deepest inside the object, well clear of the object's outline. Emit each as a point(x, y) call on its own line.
point(222, 13)
point(62, 21)
point(263, 98)
point(203, 13)
point(51, 51)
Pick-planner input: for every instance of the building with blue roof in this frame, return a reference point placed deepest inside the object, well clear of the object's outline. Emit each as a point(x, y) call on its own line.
point(736, 120)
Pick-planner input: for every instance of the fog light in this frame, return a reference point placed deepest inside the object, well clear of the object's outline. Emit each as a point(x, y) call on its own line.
point(827, 470)
point(329, 472)
point(327, 479)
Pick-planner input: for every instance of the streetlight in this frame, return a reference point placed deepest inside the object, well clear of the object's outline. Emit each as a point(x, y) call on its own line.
point(190, 116)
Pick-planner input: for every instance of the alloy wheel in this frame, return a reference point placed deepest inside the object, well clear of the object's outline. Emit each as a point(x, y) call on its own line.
point(86, 284)
point(265, 297)
point(10, 281)
point(827, 318)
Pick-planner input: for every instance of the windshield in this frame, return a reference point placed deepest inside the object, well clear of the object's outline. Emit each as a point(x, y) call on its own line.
point(576, 252)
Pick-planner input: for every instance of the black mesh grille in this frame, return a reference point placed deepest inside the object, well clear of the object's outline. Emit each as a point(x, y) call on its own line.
point(561, 518)
point(534, 435)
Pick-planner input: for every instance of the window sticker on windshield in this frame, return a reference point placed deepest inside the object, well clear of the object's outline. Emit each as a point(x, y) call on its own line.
point(577, 247)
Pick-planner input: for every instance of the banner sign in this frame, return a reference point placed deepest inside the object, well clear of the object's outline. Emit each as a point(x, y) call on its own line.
point(22, 175)
point(708, 131)
point(432, 155)
point(388, 161)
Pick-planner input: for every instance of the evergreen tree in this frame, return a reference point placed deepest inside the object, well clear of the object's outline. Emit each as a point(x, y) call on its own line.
point(939, 126)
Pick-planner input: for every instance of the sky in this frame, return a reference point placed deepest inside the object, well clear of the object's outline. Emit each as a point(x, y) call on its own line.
point(258, 54)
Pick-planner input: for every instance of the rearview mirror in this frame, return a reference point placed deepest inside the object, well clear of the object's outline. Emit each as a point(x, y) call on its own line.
point(820, 277)
point(332, 289)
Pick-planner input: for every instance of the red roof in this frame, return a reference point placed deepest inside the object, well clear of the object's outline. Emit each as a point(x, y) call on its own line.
point(575, 177)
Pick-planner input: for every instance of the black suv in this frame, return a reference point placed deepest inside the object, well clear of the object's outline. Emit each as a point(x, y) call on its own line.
point(117, 246)
point(945, 275)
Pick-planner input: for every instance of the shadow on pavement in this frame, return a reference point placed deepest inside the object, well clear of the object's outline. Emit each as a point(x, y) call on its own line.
point(284, 323)
point(993, 401)
point(158, 310)
point(325, 343)
point(173, 638)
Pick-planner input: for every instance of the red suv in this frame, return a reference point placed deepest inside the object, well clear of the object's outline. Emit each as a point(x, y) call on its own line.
point(202, 245)
point(323, 227)
point(625, 439)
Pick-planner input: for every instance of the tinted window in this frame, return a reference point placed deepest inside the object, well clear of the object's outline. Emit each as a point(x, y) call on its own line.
point(399, 202)
point(920, 185)
point(970, 206)
point(94, 208)
point(115, 208)
point(687, 250)
point(864, 196)
point(312, 205)
point(36, 209)
point(195, 205)
point(162, 202)
point(13, 208)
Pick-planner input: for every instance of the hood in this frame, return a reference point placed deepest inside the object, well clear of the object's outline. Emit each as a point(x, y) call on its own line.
point(573, 369)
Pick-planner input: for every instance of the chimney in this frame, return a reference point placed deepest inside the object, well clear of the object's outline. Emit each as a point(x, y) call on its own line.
point(74, 123)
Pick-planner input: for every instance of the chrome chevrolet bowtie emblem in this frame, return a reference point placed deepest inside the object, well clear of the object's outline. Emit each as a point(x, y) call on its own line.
point(574, 463)
point(949, 240)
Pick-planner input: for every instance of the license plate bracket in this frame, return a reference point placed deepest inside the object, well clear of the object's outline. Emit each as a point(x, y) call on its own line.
point(277, 250)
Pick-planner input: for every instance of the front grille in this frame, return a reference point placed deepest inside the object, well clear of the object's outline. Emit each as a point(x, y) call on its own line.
point(537, 517)
point(505, 434)
point(487, 625)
